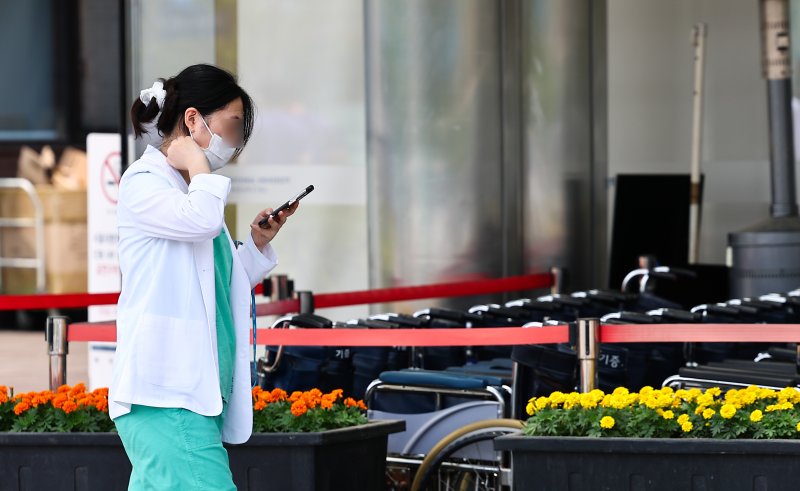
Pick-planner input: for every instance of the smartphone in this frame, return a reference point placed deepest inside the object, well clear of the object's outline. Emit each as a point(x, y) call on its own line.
point(302, 194)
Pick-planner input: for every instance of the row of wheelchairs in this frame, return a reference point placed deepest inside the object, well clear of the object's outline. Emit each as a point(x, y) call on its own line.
point(455, 401)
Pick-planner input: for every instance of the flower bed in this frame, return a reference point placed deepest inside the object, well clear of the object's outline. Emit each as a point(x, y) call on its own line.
point(64, 439)
point(659, 440)
point(754, 413)
point(277, 411)
point(68, 409)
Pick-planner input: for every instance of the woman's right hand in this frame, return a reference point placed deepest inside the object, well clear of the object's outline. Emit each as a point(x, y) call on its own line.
point(186, 155)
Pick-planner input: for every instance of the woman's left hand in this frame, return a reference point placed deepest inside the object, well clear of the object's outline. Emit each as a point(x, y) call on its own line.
point(263, 236)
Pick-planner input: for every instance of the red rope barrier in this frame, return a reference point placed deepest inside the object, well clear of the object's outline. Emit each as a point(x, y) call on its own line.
point(700, 333)
point(484, 336)
point(56, 301)
point(399, 294)
point(526, 282)
point(609, 333)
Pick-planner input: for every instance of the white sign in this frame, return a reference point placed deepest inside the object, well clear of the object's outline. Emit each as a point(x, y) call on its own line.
point(103, 157)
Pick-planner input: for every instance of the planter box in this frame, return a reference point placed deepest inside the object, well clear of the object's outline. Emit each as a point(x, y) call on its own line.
point(349, 458)
point(619, 464)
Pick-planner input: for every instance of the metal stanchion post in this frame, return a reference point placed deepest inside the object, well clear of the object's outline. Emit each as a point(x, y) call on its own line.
point(588, 347)
point(57, 349)
point(558, 280)
point(306, 301)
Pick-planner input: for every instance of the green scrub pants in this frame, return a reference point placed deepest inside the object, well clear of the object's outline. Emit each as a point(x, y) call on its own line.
point(175, 449)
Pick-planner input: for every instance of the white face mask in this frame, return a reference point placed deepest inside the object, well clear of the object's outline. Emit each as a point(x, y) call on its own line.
point(218, 152)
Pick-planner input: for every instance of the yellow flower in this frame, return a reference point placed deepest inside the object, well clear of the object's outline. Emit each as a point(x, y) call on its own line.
point(683, 418)
point(749, 397)
point(780, 407)
point(798, 426)
point(530, 409)
point(587, 401)
point(727, 411)
point(756, 416)
point(541, 402)
point(607, 422)
point(620, 391)
point(667, 414)
point(708, 413)
point(706, 399)
point(557, 398)
point(687, 426)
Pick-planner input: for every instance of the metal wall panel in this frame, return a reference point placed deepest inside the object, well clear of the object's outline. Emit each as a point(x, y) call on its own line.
point(564, 117)
point(434, 140)
point(485, 139)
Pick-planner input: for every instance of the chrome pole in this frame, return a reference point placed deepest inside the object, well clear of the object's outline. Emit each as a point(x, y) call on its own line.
point(588, 347)
point(57, 349)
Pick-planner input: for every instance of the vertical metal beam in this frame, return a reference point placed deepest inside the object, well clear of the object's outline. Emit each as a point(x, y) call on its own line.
point(510, 32)
point(124, 71)
point(777, 69)
point(598, 108)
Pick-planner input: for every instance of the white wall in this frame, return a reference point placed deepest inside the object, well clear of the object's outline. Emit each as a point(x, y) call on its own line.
point(650, 66)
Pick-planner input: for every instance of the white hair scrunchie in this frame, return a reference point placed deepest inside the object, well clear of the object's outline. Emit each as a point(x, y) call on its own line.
point(157, 91)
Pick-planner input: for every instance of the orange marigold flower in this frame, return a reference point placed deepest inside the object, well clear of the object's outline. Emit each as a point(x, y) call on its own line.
point(278, 395)
point(311, 400)
point(85, 401)
point(327, 401)
point(361, 405)
point(102, 405)
point(296, 395)
point(337, 393)
point(21, 408)
point(265, 397)
point(69, 406)
point(3, 397)
point(259, 405)
point(299, 407)
point(78, 389)
point(350, 402)
point(59, 400)
point(63, 388)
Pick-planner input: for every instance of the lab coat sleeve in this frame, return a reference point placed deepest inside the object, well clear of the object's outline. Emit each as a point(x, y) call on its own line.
point(257, 263)
point(162, 211)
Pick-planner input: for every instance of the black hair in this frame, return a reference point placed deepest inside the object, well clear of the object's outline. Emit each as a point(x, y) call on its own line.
point(204, 87)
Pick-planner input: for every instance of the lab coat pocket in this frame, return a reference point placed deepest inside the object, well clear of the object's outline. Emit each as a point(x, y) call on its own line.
point(163, 346)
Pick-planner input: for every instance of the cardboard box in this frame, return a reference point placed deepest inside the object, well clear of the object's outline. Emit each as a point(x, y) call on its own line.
point(65, 247)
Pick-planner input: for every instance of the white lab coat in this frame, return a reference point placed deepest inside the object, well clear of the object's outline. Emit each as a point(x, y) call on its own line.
point(166, 319)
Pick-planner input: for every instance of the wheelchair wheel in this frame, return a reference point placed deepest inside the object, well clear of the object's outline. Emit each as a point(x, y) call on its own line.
point(466, 459)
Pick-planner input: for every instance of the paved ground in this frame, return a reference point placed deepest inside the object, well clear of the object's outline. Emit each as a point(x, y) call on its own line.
point(24, 361)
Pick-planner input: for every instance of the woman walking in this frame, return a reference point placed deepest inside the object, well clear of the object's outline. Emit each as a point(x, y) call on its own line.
point(181, 383)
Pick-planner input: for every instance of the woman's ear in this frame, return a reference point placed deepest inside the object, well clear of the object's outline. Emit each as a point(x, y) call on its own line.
point(191, 118)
